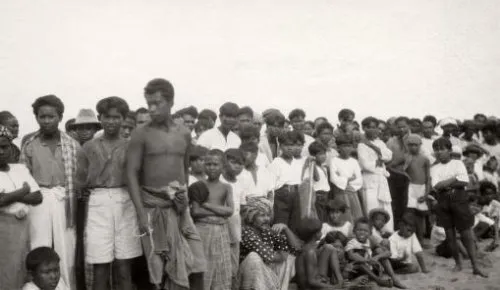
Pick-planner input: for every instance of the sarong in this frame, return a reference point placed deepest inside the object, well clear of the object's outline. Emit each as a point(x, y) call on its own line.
point(255, 274)
point(214, 234)
point(416, 191)
point(14, 247)
point(351, 199)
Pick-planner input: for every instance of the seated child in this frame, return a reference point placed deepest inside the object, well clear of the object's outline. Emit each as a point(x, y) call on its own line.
point(360, 251)
point(379, 217)
point(317, 266)
point(321, 186)
point(335, 210)
point(196, 164)
point(491, 208)
point(43, 267)
point(403, 245)
point(490, 172)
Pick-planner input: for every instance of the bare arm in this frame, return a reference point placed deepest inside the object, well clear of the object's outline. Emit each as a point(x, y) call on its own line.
point(198, 212)
point(222, 210)
point(134, 162)
point(353, 256)
point(34, 198)
point(427, 169)
point(385, 254)
point(14, 196)
point(421, 262)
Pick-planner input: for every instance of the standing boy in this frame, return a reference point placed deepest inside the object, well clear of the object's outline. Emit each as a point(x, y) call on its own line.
point(111, 219)
point(50, 155)
point(259, 176)
point(211, 219)
point(222, 137)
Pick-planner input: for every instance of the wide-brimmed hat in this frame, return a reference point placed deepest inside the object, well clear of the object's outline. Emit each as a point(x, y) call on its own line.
point(86, 117)
point(473, 148)
point(381, 211)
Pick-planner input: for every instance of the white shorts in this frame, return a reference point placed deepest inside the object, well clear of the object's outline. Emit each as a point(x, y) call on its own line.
point(415, 191)
point(111, 230)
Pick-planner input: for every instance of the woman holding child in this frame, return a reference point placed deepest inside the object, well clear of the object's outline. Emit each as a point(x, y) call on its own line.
point(18, 190)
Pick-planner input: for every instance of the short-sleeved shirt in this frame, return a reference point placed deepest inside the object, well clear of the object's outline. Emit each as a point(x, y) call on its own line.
point(444, 171)
point(363, 249)
point(492, 209)
point(377, 236)
point(285, 173)
point(345, 229)
point(404, 246)
point(13, 180)
point(100, 165)
point(46, 167)
point(214, 139)
point(265, 243)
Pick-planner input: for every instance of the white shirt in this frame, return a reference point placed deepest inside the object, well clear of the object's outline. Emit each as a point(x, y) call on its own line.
point(13, 180)
point(322, 183)
point(308, 140)
point(342, 169)
point(262, 160)
point(213, 139)
point(345, 229)
point(192, 179)
point(479, 217)
point(60, 286)
point(427, 150)
point(239, 188)
point(368, 157)
point(285, 173)
point(264, 183)
point(493, 150)
point(454, 168)
point(404, 246)
point(492, 209)
point(491, 177)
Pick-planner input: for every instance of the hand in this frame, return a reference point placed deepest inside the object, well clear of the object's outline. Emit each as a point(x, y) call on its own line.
point(143, 224)
point(351, 178)
point(422, 199)
point(385, 243)
point(278, 228)
point(26, 188)
point(349, 267)
point(373, 261)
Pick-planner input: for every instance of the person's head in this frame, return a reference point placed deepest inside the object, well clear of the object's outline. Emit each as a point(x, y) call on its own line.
point(8, 120)
point(431, 119)
point(68, 126)
point(319, 121)
point(324, 133)
point(245, 116)
point(209, 115)
point(159, 94)
point(428, 129)
point(346, 118)
point(384, 131)
point(489, 132)
point(469, 128)
point(128, 125)
point(407, 226)
point(201, 126)
point(275, 122)
point(48, 111)
point(299, 144)
point(86, 125)
point(309, 229)
point(297, 119)
point(362, 229)
point(480, 119)
point(43, 266)
point(287, 125)
point(309, 128)
point(318, 151)
point(228, 113)
point(487, 192)
point(142, 117)
point(345, 146)
point(336, 208)
point(469, 164)
point(355, 126)
point(415, 126)
point(177, 118)
point(337, 239)
point(214, 160)
point(449, 125)
point(379, 218)
point(257, 213)
point(189, 116)
point(197, 159)
point(402, 125)
point(249, 133)
point(442, 149)
point(473, 151)
point(5, 145)
point(258, 121)
point(112, 112)
point(250, 152)
point(287, 144)
point(233, 162)
point(414, 142)
point(491, 164)
point(370, 127)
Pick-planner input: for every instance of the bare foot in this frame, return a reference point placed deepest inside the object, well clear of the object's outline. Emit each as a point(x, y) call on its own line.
point(385, 282)
point(399, 285)
point(479, 273)
point(457, 268)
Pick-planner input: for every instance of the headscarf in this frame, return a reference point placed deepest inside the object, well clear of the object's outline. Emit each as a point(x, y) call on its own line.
point(255, 206)
point(5, 132)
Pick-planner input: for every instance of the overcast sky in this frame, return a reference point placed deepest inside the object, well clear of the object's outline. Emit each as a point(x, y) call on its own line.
point(378, 57)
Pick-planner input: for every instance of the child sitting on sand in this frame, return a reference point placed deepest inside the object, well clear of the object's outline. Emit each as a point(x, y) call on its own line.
point(379, 217)
point(491, 208)
point(336, 209)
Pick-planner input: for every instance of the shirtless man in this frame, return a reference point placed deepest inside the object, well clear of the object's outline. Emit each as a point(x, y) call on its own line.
point(157, 172)
point(211, 218)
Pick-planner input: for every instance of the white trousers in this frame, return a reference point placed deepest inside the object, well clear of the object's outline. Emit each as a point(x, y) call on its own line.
point(48, 229)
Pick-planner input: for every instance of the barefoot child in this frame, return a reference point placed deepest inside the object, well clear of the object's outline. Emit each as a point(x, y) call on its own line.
point(43, 267)
point(321, 186)
point(335, 210)
point(418, 169)
point(379, 218)
point(211, 220)
point(315, 263)
point(449, 178)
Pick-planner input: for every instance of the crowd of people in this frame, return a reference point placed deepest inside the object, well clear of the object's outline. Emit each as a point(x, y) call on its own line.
point(150, 199)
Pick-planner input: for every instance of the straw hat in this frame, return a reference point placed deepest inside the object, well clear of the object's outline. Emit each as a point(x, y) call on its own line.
point(86, 117)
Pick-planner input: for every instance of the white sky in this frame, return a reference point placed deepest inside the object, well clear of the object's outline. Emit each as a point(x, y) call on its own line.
point(377, 57)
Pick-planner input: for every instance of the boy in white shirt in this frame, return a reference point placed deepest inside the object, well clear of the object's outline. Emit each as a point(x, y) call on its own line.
point(449, 178)
point(259, 176)
point(321, 186)
point(43, 266)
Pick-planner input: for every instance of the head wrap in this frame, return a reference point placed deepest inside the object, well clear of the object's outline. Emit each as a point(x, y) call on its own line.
point(255, 206)
point(4, 132)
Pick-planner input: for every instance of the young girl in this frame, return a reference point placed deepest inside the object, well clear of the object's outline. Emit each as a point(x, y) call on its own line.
point(335, 210)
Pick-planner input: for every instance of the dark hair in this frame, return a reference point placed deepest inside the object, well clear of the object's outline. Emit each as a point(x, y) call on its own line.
point(68, 124)
point(245, 111)
point(430, 118)
point(249, 147)
point(235, 155)
point(323, 126)
point(202, 123)
point(217, 153)
point(206, 114)
point(368, 120)
point(142, 110)
point(5, 116)
point(441, 143)
point(408, 219)
point(248, 132)
point(415, 120)
point(362, 220)
point(191, 111)
point(479, 115)
point(296, 113)
point(320, 118)
point(331, 237)
point(275, 118)
point(490, 126)
point(40, 256)
point(296, 137)
point(288, 137)
point(49, 100)
point(160, 85)
point(400, 119)
point(310, 123)
point(343, 140)
point(308, 227)
point(316, 148)
point(106, 104)
point(196, 152)
point(345, 113)
point(229, 109)
point(485, 185)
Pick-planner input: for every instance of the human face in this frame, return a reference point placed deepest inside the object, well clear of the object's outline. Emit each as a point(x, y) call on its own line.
point(47, 276)
point(228, 122)
point(469, 165)
point(244, 120)
point(111, 122)
point(338, 244)
point(335, 216)
point(143, 119)
point(287, 150)
point(427, 129)
point(213, 167)
point(48, 119)
point(489, 137)
point(362, 232)
point(298, 123)
point(414, 148)
point(308, 129)
point(13, 125)
point(297, 149)
point(415, 127)
point(85, 132)
point(402, 128)
point(233, 167)
point(379, 221)
point(250, 158)
point(262, 221)
point(159, 107)
point(448, 129)
point(345, 150)
point(198, 165)
point(5, 150)
point(188, 121)
point(492, 164)
point(325, 136)
point(406, 231)
point(371, 131)
point(321, 158)
point(127, 127)
point(442, 154)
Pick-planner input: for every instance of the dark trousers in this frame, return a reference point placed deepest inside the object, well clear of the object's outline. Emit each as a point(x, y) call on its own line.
point(286, 206)
point(398, 186)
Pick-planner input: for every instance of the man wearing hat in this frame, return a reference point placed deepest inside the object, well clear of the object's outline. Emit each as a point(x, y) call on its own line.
point(86, 125)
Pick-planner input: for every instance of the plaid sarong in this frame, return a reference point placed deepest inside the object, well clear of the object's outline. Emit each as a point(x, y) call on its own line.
point(69, 148)
point(255, 274)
